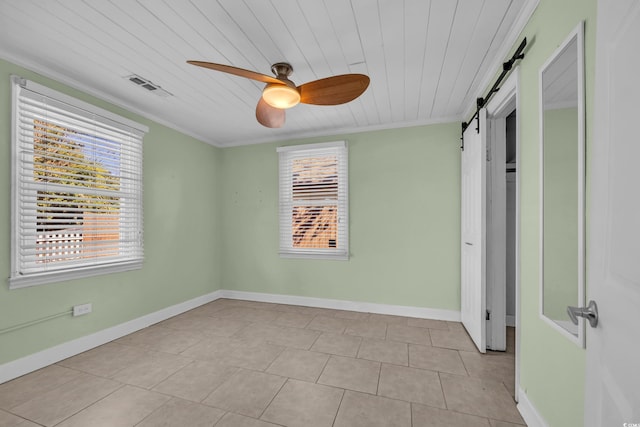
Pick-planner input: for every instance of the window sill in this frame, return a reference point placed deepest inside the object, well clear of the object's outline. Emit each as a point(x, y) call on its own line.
point(17, 282)
point(316, 255)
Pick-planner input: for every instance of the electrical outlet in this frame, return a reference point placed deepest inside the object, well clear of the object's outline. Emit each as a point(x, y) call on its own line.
point(79, 310)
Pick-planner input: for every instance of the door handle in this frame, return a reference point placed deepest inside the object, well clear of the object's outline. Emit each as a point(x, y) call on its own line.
point(590, 312)
point(468, 243)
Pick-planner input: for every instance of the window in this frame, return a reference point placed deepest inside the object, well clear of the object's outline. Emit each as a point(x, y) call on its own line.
point(314, 200)
point(76, 189)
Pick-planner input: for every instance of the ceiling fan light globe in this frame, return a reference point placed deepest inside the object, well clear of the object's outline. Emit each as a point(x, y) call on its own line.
point(281, 96)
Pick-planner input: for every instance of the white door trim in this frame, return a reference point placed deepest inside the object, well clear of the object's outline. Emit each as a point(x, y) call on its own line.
point(501, 105)
point(497, 231)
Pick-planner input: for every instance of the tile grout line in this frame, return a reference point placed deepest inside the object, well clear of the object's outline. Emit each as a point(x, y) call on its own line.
point(408, 355)
point(464, 365)
point(122, 385)
point(158, 408)
point(411, 411)
point(218, 386)
point(430, 340)
point(335, 417)
point(323, 367)
point(444, 396)
point(358, 349)
point(314, 341)
point(274, 397)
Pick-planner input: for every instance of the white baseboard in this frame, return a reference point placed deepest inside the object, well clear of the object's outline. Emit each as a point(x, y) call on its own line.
point(511, 320)
point(365, 307)
point(33, 362)
point(529, 413)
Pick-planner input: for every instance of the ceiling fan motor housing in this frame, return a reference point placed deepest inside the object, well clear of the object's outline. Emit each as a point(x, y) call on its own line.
point(282, 69)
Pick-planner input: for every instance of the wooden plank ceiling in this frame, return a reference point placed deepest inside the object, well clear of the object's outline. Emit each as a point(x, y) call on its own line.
point(427, 60)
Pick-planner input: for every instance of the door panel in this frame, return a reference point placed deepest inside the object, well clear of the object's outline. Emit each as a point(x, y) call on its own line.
point(613, 348)
point(473, 232)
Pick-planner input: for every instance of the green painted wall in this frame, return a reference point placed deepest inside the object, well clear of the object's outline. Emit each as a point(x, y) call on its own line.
point(404, 218)
point(552, 367)
point(560, 212)
point(181, 232)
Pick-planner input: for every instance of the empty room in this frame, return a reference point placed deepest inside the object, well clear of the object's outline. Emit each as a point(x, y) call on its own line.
point(340, 213)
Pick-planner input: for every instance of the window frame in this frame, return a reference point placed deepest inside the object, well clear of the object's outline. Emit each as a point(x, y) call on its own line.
point(20, 279)
point(285, 203)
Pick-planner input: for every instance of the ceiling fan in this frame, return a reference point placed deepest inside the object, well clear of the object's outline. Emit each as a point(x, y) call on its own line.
point(281, 93)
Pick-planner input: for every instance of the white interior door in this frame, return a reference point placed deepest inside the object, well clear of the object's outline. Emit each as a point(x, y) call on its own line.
point(613, 347)
point(473, 231)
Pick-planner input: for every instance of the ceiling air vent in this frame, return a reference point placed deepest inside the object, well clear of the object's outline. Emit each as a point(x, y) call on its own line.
point(148, 85)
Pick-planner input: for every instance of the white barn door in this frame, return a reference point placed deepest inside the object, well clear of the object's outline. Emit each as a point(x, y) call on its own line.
point(613, 272)
point(473, 231)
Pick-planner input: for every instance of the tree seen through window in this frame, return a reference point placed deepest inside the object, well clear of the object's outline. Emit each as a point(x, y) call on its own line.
point(74, 206)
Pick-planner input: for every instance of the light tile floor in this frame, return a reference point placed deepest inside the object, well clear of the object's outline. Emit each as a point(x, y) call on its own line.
point(236, 363)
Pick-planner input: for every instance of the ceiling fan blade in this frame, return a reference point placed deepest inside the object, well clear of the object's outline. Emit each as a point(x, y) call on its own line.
point(334, 90)
point(236, 71)
point(269, 116)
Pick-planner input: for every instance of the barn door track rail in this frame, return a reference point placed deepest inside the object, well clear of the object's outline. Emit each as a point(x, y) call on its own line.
point(481, 102)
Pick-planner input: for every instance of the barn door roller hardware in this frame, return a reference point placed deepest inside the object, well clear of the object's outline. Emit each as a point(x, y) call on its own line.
point(481, 102)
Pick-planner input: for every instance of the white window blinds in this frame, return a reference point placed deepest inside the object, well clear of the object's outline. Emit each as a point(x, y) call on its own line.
point(77, 188)
point(314, 201)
